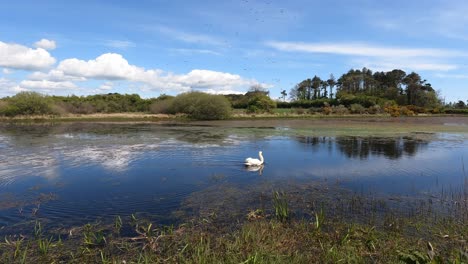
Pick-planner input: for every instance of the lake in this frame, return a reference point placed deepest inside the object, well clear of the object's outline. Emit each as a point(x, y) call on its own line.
point(72, 173)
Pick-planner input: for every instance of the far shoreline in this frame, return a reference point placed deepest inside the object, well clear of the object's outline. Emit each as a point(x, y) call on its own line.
point(316, 124)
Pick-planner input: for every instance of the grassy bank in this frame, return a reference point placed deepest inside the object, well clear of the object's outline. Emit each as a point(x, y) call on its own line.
point(331, 229)
point(262, 239)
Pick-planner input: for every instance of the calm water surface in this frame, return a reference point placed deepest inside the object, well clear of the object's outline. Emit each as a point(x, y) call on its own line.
point(75, 173)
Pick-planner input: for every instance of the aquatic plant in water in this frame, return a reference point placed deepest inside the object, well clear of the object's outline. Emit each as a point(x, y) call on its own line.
point(280, 203)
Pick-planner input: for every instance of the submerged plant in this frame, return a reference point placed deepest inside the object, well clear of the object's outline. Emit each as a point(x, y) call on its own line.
point(44, 245)
point(37, 229)
point(280, 203)
point(319, 219)
point(117, 224)
point(93, 238)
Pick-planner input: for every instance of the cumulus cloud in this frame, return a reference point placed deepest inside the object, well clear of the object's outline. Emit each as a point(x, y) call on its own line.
point(9, 87)
point(21, 57)
point(70, 74)
point(45, 44)
point(54, 75)
point(47, 85)
point(112, 66)
point(106, 86)
point(109, 66)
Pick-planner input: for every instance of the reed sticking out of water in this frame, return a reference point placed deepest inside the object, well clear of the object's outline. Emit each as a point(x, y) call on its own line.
point(280, 203)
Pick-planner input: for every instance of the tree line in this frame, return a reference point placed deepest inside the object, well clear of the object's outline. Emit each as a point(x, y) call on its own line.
point(395, 85)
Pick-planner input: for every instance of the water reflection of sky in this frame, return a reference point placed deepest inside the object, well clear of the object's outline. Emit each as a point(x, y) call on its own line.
point(152, 168)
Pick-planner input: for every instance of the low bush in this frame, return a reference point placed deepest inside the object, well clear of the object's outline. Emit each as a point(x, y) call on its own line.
point(357, 109)
point(327, 110)
point(201, 106)
point(161, 106)
point(340, 110)
point(299, 111)
point(260, 103)
point(375, 109)
point(27, 103)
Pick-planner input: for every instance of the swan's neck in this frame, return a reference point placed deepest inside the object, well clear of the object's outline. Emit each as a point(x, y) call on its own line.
point(261, 157)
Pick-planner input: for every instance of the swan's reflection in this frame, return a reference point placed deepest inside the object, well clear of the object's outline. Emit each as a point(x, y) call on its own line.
point(258, 169)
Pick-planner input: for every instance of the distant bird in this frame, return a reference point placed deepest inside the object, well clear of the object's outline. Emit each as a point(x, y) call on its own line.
point(254, 162)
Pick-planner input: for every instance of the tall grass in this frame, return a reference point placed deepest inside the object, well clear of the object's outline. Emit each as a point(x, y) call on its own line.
point(280, 203)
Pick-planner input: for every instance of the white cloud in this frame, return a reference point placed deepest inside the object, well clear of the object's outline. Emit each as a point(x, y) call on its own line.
point(112, 66)
point(187, 37)
point(54, 75)
point(47, 85)
point(21, 57)
point(405, 64)
point(109, 66)
point(380, 57)
point(6, 71)
point(120, 44)
point(452, 76)
point(196, 51)
point(45, 44)
point(210, 79)
point(9, 87)
point(361, 49)
point(106, 86)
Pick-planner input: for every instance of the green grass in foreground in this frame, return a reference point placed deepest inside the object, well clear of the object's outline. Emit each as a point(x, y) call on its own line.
point(262, 239)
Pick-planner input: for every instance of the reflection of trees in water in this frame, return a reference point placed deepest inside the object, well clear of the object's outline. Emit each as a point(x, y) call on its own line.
point(363, 147)
point(316, 143)
point(393, 148)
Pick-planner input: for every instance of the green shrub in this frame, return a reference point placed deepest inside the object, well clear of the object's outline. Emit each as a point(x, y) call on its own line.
point(161, 106)
point(260, 103)
point(375, 109)
point(299, 111)
point(357, 109)
point(456, 111)
point(340, 110)
point(28, 103)
point(3, 106)
point(201, 106)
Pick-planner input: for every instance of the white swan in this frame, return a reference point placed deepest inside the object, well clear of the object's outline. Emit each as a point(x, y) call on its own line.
point(254, 162)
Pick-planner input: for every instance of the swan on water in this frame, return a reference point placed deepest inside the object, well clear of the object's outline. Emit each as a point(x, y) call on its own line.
point(254, 162)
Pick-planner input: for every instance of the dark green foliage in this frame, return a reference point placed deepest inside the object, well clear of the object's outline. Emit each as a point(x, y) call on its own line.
point(103, 103)
point(460, 104)
point(456, 111)
point(368, 89)
point(27, 103)
point(357, 109)
point(201, 106)
point(308, 103)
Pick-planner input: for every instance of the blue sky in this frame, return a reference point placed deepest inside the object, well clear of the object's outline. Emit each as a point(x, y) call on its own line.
point(153, 47)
